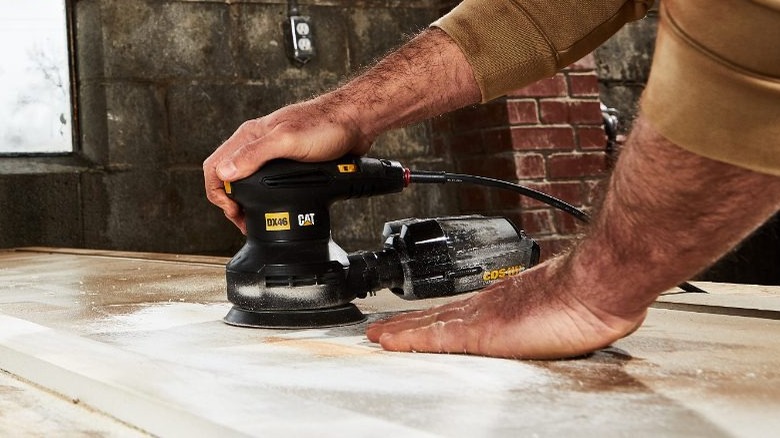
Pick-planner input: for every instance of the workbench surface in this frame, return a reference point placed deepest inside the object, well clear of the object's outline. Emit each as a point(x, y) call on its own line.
point(130, 344)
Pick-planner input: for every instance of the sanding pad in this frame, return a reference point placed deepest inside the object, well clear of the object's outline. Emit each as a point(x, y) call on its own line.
point(294, 319)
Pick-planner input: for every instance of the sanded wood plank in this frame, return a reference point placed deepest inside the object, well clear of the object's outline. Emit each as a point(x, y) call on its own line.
point(142, 339)
point(158, 396)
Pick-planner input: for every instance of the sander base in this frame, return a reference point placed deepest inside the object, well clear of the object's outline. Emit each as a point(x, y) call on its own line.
point(294, 319)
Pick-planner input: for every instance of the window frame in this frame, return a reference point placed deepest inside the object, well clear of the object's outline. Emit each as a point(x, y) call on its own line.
point(70, 36)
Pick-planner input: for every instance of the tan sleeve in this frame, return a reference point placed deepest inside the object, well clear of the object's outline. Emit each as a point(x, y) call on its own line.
point(714, 90)
point(512, 43)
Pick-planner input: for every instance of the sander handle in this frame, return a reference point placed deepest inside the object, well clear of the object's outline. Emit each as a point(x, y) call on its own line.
point(288, 200)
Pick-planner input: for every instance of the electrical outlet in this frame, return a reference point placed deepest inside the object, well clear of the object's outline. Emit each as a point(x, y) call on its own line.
point(302, 41)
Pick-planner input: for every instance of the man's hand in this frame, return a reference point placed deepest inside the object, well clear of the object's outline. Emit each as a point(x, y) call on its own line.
point(531, 316)
point(311, 131)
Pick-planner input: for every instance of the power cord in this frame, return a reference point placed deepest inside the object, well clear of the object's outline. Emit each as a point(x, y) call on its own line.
point(441, 177)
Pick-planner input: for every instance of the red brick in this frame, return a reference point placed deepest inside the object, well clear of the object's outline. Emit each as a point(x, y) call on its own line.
point(528, 165)
point(586, 84)
point(494, 113)
point(466, 143)
point(576, 165)
point(441, 124)
point(471, 165)
point(494, 166)
point(565, 223)
point(473, 199)
point(594, 190)
point(439, 146)
point(568, 191)
point(575, 112)
point(587, 62)
point(506, 199)
point(522, 112)
point(497, 140)
point(583, 112)
point(549, 87)
point(537, 222)
point(534, 138)
point(464, 119)
point(487, 115)
point(591, 137)
point(553, 111)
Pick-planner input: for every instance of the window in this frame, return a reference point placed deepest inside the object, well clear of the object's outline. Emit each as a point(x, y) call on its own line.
point(35, 103)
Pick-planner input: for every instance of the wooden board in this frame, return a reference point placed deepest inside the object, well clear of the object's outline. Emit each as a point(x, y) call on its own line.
point(140, 339)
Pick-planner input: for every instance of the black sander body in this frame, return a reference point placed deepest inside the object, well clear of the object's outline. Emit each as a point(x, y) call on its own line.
point(291, 274)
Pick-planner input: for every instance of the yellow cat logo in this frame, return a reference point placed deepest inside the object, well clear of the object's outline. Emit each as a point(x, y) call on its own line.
point(306, 220)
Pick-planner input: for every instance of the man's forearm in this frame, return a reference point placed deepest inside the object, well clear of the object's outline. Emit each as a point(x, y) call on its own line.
point(668, 214)
point(426, 77)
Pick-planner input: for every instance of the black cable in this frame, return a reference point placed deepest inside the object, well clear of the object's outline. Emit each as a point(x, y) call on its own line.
point(433, 177)
point(687, 287)
point(440, 177)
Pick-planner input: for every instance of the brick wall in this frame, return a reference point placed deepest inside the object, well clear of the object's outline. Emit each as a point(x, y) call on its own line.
point(548, 136)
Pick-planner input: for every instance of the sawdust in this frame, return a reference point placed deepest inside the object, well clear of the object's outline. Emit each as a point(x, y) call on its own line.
point(320, 348)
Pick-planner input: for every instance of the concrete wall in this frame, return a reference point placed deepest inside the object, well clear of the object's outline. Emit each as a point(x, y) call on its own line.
point(623, 66)
point(161, 83)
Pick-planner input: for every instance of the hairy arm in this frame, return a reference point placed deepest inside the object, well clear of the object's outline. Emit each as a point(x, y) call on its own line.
point(426, 77)
point(668, 214)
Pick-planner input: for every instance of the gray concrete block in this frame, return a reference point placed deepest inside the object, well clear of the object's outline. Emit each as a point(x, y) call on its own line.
point(263, 47)
point(163, 211)
point(128, 210)
point(420, 201)
point(354, 226)
point(93, 126)
point(197, 226)
point(623, 66)
point(96, 209)
point(397, 144)
point(373, 32)
point(40, 209)
point(136, 124)
point(260, 46)
point(89, 40)
point(203, 115)
point(165, 39)
point(626, 57)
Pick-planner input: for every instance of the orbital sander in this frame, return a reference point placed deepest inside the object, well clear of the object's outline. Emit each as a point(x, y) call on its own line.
point(291, 274)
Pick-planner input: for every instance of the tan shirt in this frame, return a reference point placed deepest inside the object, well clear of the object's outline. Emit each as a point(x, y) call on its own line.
point(510, 44)
point(714, 88)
